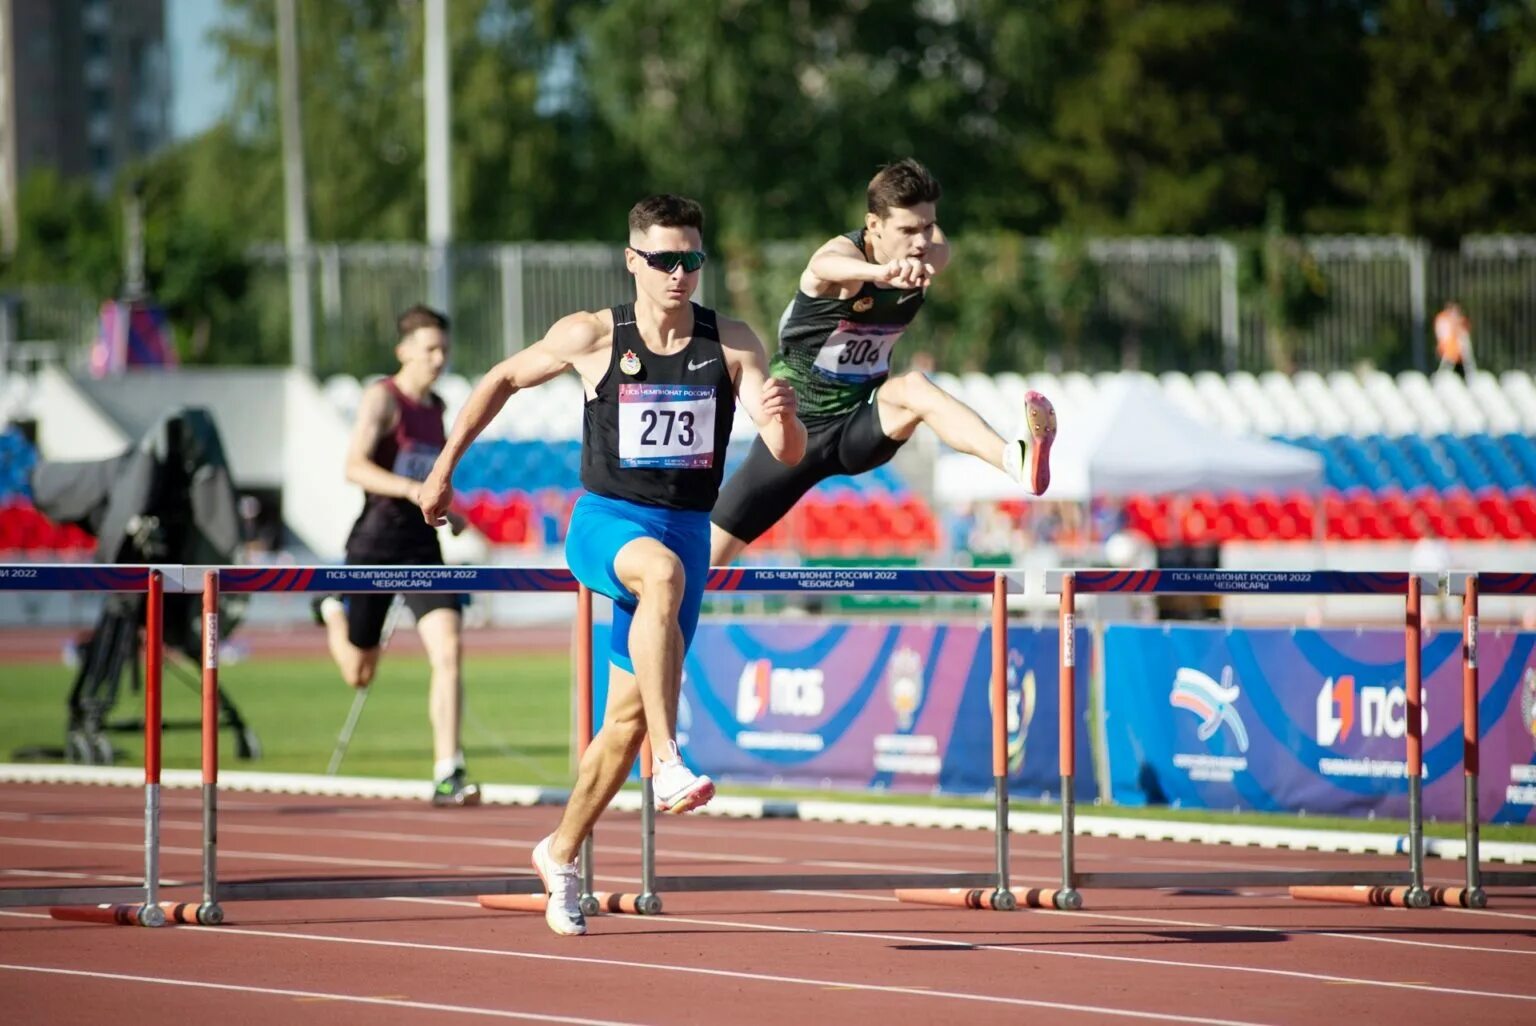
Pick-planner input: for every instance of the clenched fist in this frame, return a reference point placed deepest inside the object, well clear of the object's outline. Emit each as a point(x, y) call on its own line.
point(779, 399)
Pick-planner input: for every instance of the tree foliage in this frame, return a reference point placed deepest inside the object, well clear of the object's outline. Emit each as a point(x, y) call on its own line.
point(1044, 118)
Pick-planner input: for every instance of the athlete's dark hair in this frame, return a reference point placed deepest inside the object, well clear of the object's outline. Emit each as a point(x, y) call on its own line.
point(666, 210)
point(905, 183)
point(420, 316)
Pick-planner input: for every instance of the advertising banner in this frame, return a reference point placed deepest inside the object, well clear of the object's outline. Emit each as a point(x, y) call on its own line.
point(861, 704)
point(1292, 720)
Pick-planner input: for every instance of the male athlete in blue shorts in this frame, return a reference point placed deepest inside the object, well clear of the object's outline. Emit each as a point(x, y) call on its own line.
point(662, 376)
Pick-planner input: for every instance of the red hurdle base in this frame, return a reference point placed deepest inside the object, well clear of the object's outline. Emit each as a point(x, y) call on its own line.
point(184, 912)
point(1395, 897)
point(976, 897)
point(606, 902)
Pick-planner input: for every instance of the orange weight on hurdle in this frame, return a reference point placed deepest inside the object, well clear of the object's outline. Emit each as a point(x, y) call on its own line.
point(607, 902)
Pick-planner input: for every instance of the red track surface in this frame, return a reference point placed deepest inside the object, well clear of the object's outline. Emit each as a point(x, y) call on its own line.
point(779, 958)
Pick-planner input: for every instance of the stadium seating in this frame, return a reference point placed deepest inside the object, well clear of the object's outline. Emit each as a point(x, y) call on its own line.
point(1405, 456)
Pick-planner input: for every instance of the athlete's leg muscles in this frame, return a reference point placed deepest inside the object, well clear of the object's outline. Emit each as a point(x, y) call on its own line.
point(441, 635)
point(357, 665)
point(724, 546)
point(655, 575)
point(605, 765)
point(907, 400)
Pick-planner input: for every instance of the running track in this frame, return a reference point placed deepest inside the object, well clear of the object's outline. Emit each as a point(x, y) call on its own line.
point(785, 959)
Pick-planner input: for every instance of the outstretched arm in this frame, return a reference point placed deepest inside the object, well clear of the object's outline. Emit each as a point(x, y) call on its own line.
point(770, 403)
point(840, 262)
point(569, 339)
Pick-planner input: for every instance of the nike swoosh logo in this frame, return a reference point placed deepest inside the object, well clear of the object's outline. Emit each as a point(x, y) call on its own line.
point(706, 363)
point(909, 295)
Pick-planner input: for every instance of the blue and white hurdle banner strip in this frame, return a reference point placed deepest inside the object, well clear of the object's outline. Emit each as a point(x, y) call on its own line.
point(1068, 583)
point(139, 906)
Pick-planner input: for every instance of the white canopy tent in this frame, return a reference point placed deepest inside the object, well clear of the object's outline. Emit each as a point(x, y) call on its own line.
point(1135, 441)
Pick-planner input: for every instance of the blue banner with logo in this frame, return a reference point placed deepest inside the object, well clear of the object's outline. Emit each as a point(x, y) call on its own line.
point(1291, 720)
point(862, 704)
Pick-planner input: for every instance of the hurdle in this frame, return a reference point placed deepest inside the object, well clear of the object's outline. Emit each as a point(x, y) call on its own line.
point(989, 889)
point(1469, 586)
point(140, 905)
point(1068, 583)
point(349, 580)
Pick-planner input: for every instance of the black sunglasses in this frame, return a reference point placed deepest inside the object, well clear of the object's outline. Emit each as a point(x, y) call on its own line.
point(666, 260)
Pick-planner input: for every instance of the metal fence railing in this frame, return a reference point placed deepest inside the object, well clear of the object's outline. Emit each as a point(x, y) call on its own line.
point(1008, 303)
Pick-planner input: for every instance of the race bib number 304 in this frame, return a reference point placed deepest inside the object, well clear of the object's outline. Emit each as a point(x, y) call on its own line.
point(856, 352)
point(667, 426)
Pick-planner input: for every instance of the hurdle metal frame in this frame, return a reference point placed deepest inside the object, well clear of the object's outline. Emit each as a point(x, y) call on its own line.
point(395, 579)
point(834, 581)
point(1468, 586)
point(1068, 583)
point(99, 578)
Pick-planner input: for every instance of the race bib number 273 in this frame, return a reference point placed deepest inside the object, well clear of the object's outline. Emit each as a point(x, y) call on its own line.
point(666, 426)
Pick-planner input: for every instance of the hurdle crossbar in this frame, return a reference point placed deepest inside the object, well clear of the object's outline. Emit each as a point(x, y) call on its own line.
point(1069, 583)
point(1469, 586)
point(152, 582)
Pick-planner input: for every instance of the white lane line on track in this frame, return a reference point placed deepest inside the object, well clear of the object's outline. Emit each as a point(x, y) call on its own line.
point(252, 932)
point(314, 995)
point(613, 963)
point(1164, 962)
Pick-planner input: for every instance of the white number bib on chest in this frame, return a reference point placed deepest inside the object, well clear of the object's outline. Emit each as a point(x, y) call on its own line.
point(667, 426)
point(856, 352)
point(415, 460)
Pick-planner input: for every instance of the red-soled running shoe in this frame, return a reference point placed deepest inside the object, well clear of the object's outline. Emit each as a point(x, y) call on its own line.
point(1028, 459)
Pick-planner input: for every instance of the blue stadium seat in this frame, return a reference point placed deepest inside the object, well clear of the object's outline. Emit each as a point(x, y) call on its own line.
point(1404, 474)
point(1506, 474)
point(1470, 472)
point(1523, 452)
point(1430, 461)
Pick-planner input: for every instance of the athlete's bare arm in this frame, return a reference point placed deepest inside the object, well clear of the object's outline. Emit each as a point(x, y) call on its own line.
point(579, 341)
point(770, 403)
point(839, 268)
point(376, 415)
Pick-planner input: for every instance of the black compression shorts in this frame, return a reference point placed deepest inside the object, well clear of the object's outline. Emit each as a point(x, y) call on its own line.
point(762, 490)
point(367, 612)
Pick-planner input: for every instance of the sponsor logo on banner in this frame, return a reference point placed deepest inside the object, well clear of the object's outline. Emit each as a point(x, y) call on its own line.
point(906, 752)
point(1522, 776)
point(1216, 705)
point(1376, 711)
point(767, 690)
point(904, 685)
point(1021, 708)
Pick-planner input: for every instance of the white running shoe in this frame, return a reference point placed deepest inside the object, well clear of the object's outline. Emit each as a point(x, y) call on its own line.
point(676, 788)
point(563, 883)
point(1028, 459)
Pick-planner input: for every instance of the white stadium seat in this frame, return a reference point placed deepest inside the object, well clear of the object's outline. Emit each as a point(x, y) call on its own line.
point(1314, 391)
point(1262, 414)
point(1522, 396)
point(1433, 419)
point(1466, 415)
point(1397, 413)
point(1503, 418)
point(1298, 416)
point(1349, 395)
point(1229, 413)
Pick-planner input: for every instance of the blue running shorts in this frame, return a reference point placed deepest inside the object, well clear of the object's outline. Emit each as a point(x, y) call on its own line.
point(601, 526)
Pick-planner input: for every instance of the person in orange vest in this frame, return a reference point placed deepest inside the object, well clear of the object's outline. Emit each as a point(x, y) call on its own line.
point(1453, 340)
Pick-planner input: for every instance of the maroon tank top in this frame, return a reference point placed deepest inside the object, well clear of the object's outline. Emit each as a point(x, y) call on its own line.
point(390, 527)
